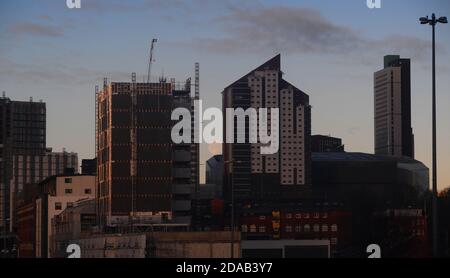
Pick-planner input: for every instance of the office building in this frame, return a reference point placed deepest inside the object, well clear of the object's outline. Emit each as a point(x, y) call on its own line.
point(321, 143)
point(73, 223)
point(22, 132)
point(214, 174)
point(368, 184)
point(89, 167)
point(51, 197)
point(285, 174)
point(28, 170)
point(392, 95)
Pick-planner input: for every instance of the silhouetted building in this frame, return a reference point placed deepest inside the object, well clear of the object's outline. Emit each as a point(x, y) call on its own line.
point(134, 152)
point(368, 184)
point(285, 174)
point(392, 95)
point(22, 132)
point(208, 208)
point(321, 144)
point(89, 167)
point(214, 173)
point(402, 233)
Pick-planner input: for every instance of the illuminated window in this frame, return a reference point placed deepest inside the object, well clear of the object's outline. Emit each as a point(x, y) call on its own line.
point(244, 228)
point(262, 229)
point(316, 228)
point(289, 229)
point(334, 228)
point(307, 228)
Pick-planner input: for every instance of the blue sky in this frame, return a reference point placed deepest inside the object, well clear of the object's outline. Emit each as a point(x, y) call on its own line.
point(329, 49)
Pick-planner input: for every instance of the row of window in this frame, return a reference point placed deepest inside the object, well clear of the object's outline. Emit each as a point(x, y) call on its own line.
point(315, 215)
point(70, 191)
point(290, 229)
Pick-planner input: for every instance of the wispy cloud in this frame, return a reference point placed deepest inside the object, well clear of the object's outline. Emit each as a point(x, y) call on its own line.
point(35, 29)
point(55, 73)
point(297, 30)
point(46, 17)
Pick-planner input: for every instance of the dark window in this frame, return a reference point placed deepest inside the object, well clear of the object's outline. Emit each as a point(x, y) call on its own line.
point(68, 191)
point(68, 180)
point(58, 206)
point(87, 191)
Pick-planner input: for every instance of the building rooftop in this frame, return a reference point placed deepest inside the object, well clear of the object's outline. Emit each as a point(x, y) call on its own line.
point(349, 156)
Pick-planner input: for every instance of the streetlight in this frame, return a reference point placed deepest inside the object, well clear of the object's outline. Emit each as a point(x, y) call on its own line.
point(232, 203)
point(433, 22)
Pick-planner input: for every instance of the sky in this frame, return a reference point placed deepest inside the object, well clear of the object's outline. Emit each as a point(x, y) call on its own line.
point(329, 49)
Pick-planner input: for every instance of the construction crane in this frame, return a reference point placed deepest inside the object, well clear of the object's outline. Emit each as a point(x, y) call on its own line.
point(152, 48)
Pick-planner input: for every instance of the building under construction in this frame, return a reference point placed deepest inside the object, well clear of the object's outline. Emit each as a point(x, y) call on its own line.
point(143, 178)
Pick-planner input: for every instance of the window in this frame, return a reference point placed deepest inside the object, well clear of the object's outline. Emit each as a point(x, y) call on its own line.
point(334, 228)
point(298, 216)
point(324, 228)
point(307, 228)
point(68, 191)
point(68, 180)
point(262, 218)
point(70, 205)
point(334, 241)
point(58, 206)
point(244, 228)
point(262, 229)
point(325, 215)
point(289, 229)
point(252, 228)
point(306, 216)
point(87, 191)
point(298, 229)
point(289, 216)
point(316, 228)
point(316, 215)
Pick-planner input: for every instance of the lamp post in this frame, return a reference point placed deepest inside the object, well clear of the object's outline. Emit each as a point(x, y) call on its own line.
point(433, 22)
point(232, 204)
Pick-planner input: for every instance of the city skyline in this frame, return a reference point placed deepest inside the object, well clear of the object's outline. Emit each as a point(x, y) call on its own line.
point(322, 66)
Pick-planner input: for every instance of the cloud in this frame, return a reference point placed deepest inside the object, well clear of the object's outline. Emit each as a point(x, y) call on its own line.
point(102, 6)
point(46, 17)
point(297, 30)
point(35, 29)
point(58, 74)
